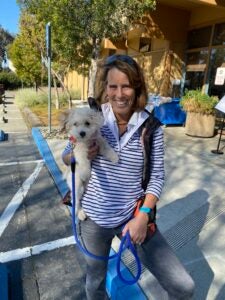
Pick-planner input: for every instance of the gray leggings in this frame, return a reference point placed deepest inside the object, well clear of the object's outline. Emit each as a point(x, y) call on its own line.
point(155, 254)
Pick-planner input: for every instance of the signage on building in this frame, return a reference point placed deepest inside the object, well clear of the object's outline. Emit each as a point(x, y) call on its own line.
point(220, 76)
point(221, 105)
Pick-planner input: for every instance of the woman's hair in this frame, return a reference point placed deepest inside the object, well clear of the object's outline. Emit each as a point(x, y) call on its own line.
point(128, 66)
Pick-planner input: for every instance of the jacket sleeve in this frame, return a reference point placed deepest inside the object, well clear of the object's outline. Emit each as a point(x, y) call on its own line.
point(67, 149)
point(156, 168)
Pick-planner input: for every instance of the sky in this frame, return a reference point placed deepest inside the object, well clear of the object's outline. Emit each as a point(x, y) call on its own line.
point(9, 15)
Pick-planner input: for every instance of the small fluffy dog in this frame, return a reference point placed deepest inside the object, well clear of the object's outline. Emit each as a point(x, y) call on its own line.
point(83, 125)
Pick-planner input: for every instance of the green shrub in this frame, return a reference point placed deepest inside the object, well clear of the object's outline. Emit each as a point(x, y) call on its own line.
point(10, 80)
point(75, 94)
point(29, 97)
point(196, 101)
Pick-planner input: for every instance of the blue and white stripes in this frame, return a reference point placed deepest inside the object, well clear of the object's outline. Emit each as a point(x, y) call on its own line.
point(113, 189)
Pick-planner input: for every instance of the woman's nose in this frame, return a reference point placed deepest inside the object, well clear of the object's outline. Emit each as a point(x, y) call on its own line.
point(119, 92)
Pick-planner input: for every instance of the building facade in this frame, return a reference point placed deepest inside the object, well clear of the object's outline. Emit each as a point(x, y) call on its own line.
point(180, 45)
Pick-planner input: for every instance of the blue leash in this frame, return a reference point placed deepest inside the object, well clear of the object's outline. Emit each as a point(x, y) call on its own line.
point(125, 243)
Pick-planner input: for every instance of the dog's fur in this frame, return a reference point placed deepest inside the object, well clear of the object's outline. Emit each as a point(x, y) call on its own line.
point(84, 125)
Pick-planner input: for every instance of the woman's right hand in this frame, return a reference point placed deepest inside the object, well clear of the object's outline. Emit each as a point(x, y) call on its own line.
point(93, 150)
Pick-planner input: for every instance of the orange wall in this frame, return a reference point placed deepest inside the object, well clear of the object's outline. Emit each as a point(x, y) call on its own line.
point(75, 81)
point(206, 15)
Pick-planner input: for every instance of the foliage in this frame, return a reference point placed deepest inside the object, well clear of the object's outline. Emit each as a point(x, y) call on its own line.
point(79, 27)
point(5, 39)
point(196, 101)
point(28, 97)
point(75, 95)
point(25, 52)
point(10, 80)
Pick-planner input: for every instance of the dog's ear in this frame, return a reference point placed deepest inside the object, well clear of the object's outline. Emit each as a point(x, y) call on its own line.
point(63, 120)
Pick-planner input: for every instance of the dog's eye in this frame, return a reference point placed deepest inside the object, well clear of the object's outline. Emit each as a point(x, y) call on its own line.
point(87, 123)
point(75, 124)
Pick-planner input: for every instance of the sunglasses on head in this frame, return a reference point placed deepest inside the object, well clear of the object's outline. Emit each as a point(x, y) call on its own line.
point(118, 57)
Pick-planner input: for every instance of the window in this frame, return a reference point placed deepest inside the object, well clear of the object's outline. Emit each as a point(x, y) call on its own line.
point(194, 80)
point(219, 34)
point(195, 69)
point(217, 60)
point(145, 44)
point(198, 38)
point(196, 61)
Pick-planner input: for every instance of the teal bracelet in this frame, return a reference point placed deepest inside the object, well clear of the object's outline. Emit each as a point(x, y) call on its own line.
point(145, 209)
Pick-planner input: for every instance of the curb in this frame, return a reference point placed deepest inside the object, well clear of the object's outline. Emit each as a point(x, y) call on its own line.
point(116, 289)
point(50, 161)
point(4, 282)
point(31, 118)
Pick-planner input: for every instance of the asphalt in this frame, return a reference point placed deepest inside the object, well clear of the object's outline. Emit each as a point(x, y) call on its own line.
point(191, 215)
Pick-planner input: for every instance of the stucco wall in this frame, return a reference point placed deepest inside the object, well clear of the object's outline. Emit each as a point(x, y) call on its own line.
point(75, 81)
point(206, 15)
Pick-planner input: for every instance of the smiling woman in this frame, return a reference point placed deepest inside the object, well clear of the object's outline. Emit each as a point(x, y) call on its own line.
point(115, 190)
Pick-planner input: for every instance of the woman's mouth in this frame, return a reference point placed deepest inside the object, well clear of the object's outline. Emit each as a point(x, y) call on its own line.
point(122, 103)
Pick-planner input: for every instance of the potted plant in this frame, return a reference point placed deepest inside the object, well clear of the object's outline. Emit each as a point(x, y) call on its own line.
point(200, 108)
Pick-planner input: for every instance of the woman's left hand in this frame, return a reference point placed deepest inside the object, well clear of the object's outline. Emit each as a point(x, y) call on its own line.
point(137, 228)
point(93, 150)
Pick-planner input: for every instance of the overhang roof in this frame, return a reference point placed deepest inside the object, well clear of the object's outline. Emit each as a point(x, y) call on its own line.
point(192, 4)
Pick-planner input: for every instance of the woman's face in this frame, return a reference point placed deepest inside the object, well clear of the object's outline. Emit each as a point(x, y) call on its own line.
point(120, 93)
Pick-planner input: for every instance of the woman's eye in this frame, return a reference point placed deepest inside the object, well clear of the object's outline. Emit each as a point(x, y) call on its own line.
point(87, 123)
point(75, 124)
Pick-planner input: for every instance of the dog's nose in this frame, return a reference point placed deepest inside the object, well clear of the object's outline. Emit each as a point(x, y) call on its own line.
point(82, 134)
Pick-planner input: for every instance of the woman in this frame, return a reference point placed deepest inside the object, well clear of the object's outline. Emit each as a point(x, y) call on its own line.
point(113, 190)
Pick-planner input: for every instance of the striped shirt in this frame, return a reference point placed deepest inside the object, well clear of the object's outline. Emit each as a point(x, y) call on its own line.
point(113, 189)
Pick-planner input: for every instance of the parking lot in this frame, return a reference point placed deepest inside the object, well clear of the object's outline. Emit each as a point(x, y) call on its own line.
point(36, 245)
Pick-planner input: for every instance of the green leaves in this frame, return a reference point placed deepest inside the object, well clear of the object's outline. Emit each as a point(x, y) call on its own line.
point(5, 39)
point(196, 101)
point(79, 26)
point(78, 29)
point(27, 48)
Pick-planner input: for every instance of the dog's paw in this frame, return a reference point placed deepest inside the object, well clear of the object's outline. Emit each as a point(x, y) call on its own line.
point(81, 215)
point(84, 175)
point(114, 158)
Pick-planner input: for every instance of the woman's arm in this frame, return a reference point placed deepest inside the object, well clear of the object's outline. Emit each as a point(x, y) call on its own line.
point(138, 226)
point(92, 152)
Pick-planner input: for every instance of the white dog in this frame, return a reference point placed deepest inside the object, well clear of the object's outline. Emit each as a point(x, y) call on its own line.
point(83, 125)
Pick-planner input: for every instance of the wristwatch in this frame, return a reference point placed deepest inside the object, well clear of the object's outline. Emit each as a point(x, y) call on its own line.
point(149, 211)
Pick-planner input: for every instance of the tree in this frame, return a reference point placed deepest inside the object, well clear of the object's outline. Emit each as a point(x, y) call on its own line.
point(25, 52)
point(5, 39)
point(79, 27)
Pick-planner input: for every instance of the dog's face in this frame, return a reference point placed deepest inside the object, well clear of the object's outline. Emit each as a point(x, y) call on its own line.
point(82, 123)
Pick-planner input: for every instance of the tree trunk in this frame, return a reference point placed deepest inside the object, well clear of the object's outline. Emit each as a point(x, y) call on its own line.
point(64, 87)
point(93, 68)
point(56, 93)
point(91, 78)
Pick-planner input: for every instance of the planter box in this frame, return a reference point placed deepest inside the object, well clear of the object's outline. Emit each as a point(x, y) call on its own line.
point(200, 125)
